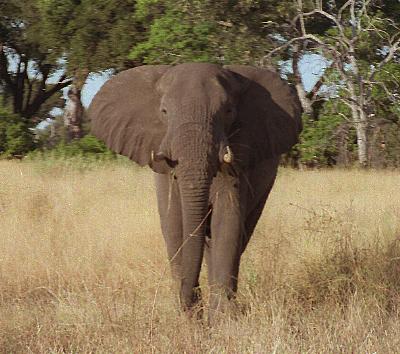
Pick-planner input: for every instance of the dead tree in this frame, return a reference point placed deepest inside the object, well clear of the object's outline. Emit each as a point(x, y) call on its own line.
point(73, 114)
point(74, 111)
point(351, 21)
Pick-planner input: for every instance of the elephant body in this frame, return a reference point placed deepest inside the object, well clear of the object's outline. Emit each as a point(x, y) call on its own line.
point(213, 136)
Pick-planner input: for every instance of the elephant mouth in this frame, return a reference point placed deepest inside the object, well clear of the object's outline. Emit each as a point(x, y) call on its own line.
point(160, 157)
point(225, 156)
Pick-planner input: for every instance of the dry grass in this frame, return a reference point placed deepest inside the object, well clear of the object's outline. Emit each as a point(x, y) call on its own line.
point(81, 258)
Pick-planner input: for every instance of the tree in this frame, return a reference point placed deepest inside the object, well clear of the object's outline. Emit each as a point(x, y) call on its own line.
point(360, 44)
point(91, 36)
point(25, 63)
point(226, 31)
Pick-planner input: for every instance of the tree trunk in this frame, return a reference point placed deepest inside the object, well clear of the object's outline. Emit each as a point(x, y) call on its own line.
point(73, 113)
point(306, 103)
point(304, 100)
point(360, 123)
point(359, 118)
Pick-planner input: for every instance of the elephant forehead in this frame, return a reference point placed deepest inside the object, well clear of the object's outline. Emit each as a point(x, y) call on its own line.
point(195, 99)
point(194, 76)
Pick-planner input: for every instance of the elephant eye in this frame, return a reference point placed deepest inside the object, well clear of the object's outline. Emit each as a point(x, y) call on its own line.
point(163, 111)
point(230, 109)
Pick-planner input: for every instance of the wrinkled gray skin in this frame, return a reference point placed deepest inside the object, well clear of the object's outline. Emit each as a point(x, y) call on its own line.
point(213, 136)
point(235, 205)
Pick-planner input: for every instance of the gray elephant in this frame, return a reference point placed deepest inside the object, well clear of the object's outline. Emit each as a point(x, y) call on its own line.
point(213, 136)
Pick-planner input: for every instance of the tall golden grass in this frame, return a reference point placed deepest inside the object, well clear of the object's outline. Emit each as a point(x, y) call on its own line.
point(83, 266)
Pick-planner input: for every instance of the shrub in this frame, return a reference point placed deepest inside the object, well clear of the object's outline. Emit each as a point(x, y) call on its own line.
point(16, 137)
point(88, 148)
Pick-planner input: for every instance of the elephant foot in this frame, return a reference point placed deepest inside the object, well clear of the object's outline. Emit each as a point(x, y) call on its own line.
point(196, 312)
point(223, 305)
point(193, 307)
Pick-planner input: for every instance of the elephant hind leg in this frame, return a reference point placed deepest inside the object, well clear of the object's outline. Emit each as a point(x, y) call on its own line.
point(251, 221)
point(208, 246)
point(255, 207)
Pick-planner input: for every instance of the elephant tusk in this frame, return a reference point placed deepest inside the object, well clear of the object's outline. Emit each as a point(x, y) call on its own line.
point(228, 156)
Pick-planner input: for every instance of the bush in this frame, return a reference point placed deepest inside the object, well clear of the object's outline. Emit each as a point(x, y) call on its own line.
point(88, 147)
point(329, 139)
point(91, 145)
point(16, 138)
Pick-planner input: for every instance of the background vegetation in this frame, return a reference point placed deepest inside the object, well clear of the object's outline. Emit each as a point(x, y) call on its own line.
point(351, 112)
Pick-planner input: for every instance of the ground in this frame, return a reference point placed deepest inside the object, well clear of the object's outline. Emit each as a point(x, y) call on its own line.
point(83, 266)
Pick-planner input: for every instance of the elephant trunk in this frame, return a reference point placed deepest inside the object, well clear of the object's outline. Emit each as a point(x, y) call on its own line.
point(194, 171)
point(194, 199)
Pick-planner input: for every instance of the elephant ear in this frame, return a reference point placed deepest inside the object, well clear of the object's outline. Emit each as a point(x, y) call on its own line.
point(268, 114)
point(125, 115)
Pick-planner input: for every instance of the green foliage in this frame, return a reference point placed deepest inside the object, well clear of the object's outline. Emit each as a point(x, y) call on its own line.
point(361, 77)
point(173, 39)
point(16, 139)
point(322, 139)
point(27, 62)
point(93, 35)
point(19, 139)
point(148, 9)
point(82, 155)
point(5, 118)
point(392, 145)
point(91, 145)
point(225, 31)
point(88, 147)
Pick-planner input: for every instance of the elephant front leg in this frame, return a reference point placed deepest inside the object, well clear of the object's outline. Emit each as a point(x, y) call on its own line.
point(169, 208)
point(225, 251)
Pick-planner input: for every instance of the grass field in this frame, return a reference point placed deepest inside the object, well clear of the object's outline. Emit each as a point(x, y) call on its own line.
point(83, 267)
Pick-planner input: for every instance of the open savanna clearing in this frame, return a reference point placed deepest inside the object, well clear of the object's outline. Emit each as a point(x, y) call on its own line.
point(83, 266)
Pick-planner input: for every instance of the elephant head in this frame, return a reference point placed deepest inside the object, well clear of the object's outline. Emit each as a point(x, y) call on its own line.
point(194, 119)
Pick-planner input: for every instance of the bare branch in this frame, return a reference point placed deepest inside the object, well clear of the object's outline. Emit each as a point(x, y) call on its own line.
point(355, 85)
point(345, 5)
point(297, 39)
point(314, 91)
point(43, 96)
point(390, 95)
point(343, 38)
point(354, 22)
point(392, 51)
point(346, 118)
point(301, 17)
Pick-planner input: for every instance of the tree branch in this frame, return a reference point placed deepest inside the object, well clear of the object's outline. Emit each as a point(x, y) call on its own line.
point(392, 51)
point(345, 5)
point(43, 96)
point(19, 89)
point(297, 39)
point(4, 74)
point(391, 96)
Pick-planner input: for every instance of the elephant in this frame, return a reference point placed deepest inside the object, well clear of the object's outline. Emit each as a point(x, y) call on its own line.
point(213, 136)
